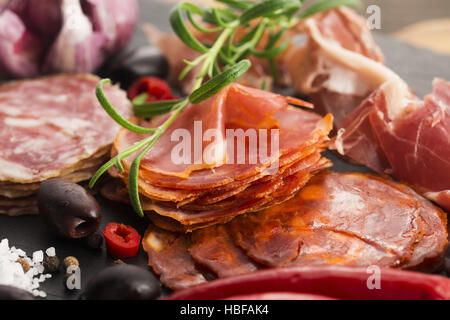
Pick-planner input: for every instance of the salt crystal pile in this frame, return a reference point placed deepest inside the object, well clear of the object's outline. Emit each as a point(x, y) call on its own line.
point(12, 274)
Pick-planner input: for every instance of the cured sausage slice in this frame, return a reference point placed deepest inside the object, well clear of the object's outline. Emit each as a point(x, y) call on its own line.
point(343, 219)
point(49, 125)
point(168, 256)
point(52, 127)
point(214, 248)
point(349, 219)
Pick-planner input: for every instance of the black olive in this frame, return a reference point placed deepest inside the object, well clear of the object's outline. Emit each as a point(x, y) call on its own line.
point(68, 209)
point(122, 282)
point(132, 65)
point(13, 293)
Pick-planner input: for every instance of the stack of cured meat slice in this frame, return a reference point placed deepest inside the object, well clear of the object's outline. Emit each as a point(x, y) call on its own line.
point(346, 219)
point(256, 151)
point(52, 127)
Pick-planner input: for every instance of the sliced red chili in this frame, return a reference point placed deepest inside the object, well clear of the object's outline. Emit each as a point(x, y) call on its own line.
point(156, 89)
point(121, 241)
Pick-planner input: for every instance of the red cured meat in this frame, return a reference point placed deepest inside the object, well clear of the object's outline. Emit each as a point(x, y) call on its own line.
point(168, 256)
point(234, 107)
point(340, 65)
point(339, 219)
point(394, 131)
point(197, 194)
point(214, 248)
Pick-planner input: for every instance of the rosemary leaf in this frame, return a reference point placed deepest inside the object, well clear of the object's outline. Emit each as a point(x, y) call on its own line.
point(219, 82)
point(180, 29)
point(113, 112)
point(325, 5)
point(149, 110)
point(273, 52)
point(133, 180)
point(236, 4)
point(269, 8)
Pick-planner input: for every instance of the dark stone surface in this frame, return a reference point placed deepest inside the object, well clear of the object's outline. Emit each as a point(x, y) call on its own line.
point(417, 66)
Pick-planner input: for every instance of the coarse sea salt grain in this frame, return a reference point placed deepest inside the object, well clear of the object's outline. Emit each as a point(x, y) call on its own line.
point(38, 256)
point(51, 252)
point(11, 272)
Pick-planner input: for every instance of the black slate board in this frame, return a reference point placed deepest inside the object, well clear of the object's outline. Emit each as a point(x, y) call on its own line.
point(417, 66)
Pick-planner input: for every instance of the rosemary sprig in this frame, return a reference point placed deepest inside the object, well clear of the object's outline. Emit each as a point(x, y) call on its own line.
point(222, 62)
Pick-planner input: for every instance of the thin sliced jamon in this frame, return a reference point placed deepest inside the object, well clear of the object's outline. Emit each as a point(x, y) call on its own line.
point(169, 257)
point(49, 125)
point(236, 107)
point(394, 131)
point(340, 65)
point(270, 149)
point(350, 219)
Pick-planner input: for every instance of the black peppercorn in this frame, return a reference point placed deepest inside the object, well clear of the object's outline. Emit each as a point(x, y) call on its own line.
point(94, 241)
point(51, 264)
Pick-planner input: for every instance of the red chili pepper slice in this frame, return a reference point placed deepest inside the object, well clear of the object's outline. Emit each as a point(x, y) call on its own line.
point(121, 241)
point(156, 89)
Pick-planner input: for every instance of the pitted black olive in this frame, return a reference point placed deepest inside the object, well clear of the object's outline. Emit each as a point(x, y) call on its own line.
point(122, 282)
point(68, 209)
point(13, 293)
point(141, 62)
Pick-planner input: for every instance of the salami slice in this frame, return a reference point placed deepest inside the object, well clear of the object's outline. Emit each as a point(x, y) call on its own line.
point(53, 127)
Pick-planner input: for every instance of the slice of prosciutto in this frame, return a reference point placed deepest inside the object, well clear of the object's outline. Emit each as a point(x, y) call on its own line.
point(340, 65)
point(394, 131)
